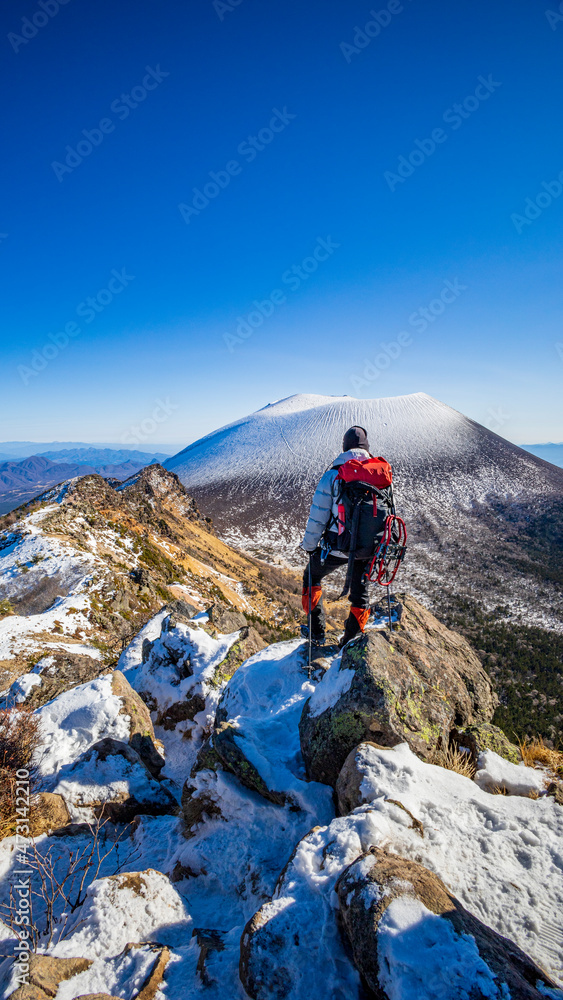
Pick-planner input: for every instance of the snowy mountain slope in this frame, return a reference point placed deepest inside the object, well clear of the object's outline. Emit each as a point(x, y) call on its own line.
point(475, 504)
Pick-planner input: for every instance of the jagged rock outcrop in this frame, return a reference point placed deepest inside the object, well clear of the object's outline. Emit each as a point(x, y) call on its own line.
point(414, 685)
point(404, 926)
point(66, 671)
point(141, 733)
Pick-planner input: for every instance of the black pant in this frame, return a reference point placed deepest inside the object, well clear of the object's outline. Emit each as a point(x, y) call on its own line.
point(359, 591)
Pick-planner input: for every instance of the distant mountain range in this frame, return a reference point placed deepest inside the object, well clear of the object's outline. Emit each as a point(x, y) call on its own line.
point(485, 517)
point(549, 452)
point(22, 480)
point(78, 451)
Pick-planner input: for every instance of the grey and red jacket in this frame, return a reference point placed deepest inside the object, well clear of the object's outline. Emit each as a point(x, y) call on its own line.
point(324, 503)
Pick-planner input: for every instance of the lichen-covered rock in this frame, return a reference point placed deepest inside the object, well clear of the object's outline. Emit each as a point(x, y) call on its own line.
point(228, 744)
point(248, 643)
point(198, 798)
point(141, 733)
point(408, 932)
point(414, 685)
point(484, 736)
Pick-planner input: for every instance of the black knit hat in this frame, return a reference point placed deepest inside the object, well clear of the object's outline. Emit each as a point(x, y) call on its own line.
point(356, 437)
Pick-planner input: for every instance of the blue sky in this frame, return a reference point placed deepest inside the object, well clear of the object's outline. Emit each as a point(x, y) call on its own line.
point(304, 113)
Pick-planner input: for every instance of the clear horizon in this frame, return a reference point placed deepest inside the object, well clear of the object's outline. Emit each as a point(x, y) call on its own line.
point(212, 207)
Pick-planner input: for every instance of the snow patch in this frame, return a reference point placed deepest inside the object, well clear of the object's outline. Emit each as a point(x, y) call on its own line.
point(494, 773)
point(421, 957)
point(77, 719)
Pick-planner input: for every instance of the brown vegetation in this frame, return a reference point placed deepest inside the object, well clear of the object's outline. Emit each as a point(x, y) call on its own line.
point(20, 738)
point(535, 752)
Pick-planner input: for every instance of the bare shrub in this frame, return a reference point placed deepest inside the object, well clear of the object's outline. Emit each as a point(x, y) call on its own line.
point(60, 880)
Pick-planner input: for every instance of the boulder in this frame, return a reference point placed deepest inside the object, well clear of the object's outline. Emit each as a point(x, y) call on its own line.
point(413, 685)
point(495, 774)
point(111, 780)
point(225, 619)
point(141, 733)
point(410, 936)
point(181, 711)
point(228, 744)
point(248, 643)
point(484, 736)
point(144, 905)
point(65, 670)
point(46, 974)
point(221, 752)
point(48, 812)
point(555, 791)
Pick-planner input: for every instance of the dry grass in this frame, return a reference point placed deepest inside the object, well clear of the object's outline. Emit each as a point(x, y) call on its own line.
point(19, 739)
point(535, 752)
point(454, 760)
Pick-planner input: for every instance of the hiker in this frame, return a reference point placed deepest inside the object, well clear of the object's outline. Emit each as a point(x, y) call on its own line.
point(324, 533)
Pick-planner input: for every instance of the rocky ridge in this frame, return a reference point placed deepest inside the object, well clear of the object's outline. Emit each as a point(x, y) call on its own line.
point(263, 833)
point(86, 565)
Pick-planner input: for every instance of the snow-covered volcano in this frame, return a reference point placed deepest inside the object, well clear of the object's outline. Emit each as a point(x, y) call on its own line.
point(460, 485)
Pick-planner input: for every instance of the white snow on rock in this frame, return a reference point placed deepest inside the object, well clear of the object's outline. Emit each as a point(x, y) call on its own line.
point(138, 906)
point(421, 957)
point(77, 719)
point(20, 633)
point(264, 700)
point(131, 656)
point(90, 780)
point(159, 676)
point(494, 773)
point(500, 855)
point(21, 688)
point(333, 685)
point(121, 976)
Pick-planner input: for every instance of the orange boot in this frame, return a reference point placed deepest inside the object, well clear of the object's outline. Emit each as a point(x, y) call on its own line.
point(354, 625)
